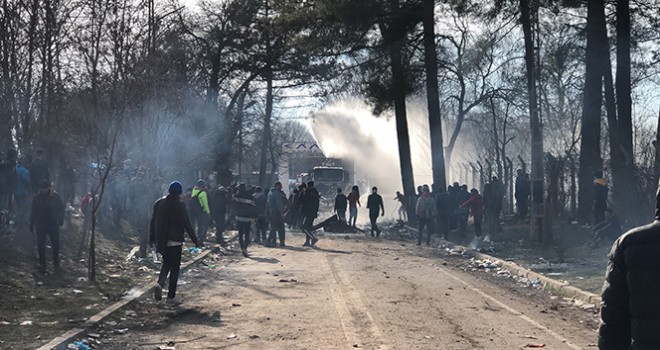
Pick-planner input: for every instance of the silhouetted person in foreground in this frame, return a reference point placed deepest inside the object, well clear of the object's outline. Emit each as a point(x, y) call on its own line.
point(630, 312)
point(245, 214)
point(375, 205)
point(353, 204)
point(46, 219)
point(277, 205)
point(168, 223)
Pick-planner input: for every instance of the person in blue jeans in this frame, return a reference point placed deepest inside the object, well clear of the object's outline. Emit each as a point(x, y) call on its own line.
point(353, 203)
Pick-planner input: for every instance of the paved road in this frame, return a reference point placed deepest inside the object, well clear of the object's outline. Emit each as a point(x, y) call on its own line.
point(353, 293)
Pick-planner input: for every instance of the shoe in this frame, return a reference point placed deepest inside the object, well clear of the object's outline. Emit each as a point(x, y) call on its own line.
point(282, 245)
point(428, 244)
point(378, 234)
point(245, 253)
point(418, 244)
point(173, 301)
point(307, 244)
point(158, 293)
point(314, 240)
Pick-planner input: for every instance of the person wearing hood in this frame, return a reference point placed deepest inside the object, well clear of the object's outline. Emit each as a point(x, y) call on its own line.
point(341, 203)
point(277, 207)
point(45, 220)
point(425, 210)
point(199, 209)
point(168, 223)
point(630, 309)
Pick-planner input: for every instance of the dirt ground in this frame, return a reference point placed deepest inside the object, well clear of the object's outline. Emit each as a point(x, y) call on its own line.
point(351, 292)
point(36, 308)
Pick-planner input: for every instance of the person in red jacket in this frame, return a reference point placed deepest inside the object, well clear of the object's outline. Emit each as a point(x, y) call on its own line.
point(476, 206)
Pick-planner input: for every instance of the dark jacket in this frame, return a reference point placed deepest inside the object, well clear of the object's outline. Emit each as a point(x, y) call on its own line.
point(169, 221)
point(260, 201)
point(375, 204)
point(341, 203)
point(219, 203)
point(47, 210)
point(310, 203)
point(8, 180)
point(630, 312)
point(246, 209)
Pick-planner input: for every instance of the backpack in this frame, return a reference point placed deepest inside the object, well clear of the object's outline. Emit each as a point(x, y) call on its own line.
point(195, 205)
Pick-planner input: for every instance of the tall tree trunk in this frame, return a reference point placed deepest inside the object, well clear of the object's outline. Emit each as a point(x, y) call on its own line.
point(535, 122)
point(396, 41)
point(624, 189)
point(590, 158)
point(265, 141)
point(433, 98)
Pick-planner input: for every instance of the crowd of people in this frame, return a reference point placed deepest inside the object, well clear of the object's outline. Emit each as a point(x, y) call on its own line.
point(442, 212)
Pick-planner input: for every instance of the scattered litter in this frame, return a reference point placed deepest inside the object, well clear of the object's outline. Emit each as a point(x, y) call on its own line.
point(397, 258)
point(82, 279)
point(5, 323)
point(26, 323)
point(232, 336)
point(132, 253)
point(77, 291)
point(235, 305)
point(194, 250)
point(78, 345)
point(40, 283)
point(166, 348)
point(121, 331)
point(254, 336)
point(94, 335)
point(535, 346)
point(288, 280)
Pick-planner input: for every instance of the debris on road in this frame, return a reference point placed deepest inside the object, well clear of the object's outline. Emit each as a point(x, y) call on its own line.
point(536, 346)
point(232, 336)
point(288, 280)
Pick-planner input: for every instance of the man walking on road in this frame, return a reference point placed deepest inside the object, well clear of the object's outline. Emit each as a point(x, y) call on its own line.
point(310, 211)
point(375, 205)
point(425, 211)
point(246, 213)
point(630, 312)
point(260, 199)
point(341, 202)
point(168, 223)
point(277, 207)
point(47, 218)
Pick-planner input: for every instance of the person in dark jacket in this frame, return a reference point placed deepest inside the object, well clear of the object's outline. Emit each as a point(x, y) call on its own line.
point(444, 206)
point(260, 201)
point(169, 221)
point(630, 309)
point(47, 217)
point(600, 197)
point(245, 214)
point(523, 191)
point(219, 214)
point(375, 206)
point(277, 206)
point(23, 194)
point(310, 210)
point(8, 181)
point(341, 204)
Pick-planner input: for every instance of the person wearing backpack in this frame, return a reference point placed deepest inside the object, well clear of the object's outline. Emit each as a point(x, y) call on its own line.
point(199, 209)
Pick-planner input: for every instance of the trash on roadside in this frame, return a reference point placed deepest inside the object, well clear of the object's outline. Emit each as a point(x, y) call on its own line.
point(40, 283)
point(536, 346)
point(82, 279)
point(166, 348)
point(121, 331)
point(77, 291)
point(26, 323)
point(194, 250)
point(232, 336)
point(236, 304)
point(288, 280)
